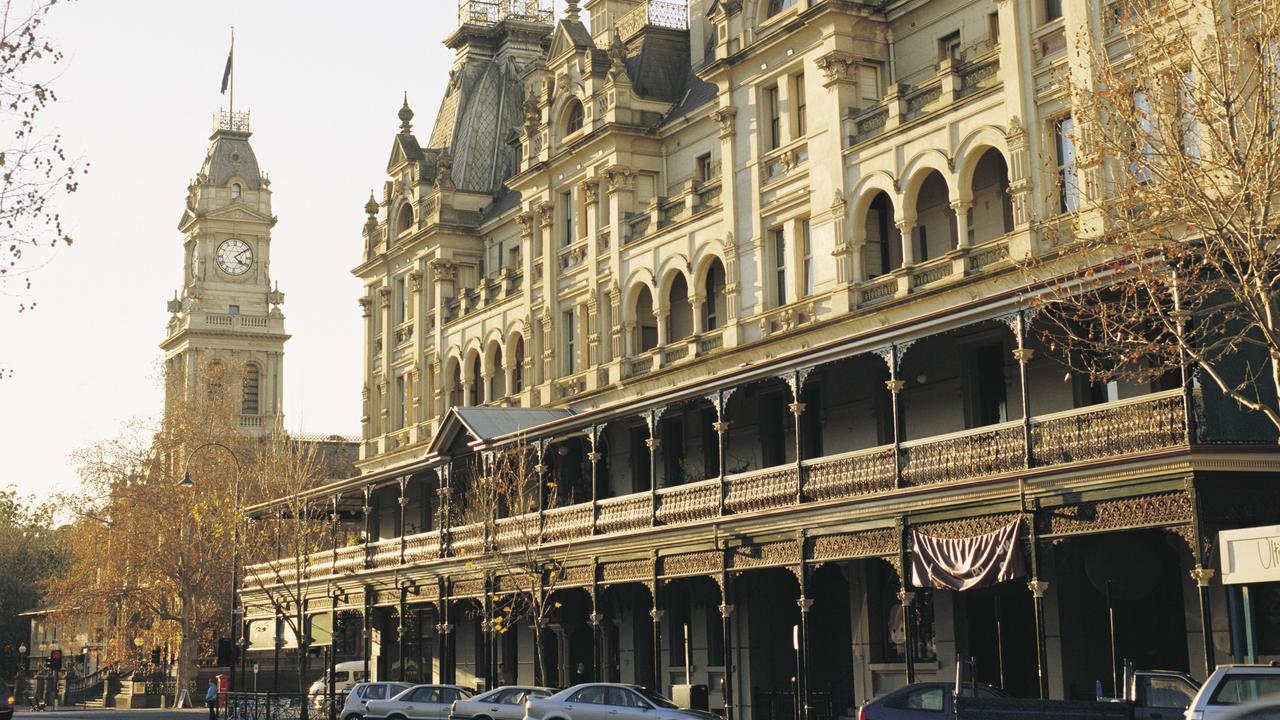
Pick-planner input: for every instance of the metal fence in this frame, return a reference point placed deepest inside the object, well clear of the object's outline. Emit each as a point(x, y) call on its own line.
point(280, 706)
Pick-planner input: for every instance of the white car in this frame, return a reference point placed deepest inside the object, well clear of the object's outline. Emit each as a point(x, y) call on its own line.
point(504, 703)
point(1231, 686)
point(364, 693)
point(420, 702)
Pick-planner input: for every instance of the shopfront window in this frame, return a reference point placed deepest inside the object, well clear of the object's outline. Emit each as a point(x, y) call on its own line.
point(890, 623)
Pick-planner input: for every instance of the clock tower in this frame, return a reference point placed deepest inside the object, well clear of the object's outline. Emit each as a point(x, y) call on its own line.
point(226, 329)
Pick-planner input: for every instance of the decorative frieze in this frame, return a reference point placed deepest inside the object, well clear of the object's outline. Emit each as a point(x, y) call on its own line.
point(861, 544)
point(747, 557)
point(695, 563)
point(626, 571)
point(1117, 514)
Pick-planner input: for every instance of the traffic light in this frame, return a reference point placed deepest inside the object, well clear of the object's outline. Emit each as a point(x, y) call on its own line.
point(155, 656)
point(55, 660)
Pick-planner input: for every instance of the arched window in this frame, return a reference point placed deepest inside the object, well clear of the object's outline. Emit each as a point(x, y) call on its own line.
point(477, 382)
point(574, 118)
point(517, 377)
point(713, 309)
point(777, 6)
point(249, 396)
point(405, 220)
point(455, 385)
point(235, 191)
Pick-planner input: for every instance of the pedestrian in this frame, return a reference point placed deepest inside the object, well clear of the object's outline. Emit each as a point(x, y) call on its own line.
point(211, 698)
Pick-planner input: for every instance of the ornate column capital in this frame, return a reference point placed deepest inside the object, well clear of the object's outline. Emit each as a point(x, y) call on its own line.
point(725, 117)
point(837, 66)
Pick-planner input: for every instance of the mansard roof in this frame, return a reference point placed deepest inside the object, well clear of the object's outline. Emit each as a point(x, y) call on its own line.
point(230, 156)
point(481, 105)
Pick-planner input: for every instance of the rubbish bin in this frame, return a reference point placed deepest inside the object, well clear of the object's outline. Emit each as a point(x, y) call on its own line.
point(692, 697)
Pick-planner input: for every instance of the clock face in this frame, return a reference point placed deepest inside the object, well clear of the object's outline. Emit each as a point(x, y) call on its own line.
point(235, 257)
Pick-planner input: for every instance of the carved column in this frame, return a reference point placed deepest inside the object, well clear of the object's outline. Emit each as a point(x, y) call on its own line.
point(656, 614)
point(906, 228)
point(726, 613)
point(895, 386)
point(961, 208)
point(653, 443)
point(797, 408)
point(366, 631)
point(805, 603)
point(368, 527)
point(404, 502)
point(1202, 575)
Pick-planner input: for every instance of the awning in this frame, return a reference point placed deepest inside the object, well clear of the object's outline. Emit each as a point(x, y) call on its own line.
point(966, 563)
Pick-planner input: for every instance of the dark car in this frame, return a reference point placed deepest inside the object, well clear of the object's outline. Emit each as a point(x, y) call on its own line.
point(7, 700)
point(919, 701)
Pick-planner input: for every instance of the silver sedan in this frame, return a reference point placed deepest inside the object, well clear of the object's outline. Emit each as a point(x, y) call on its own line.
point(609, 701)
point(504, 703)
point(420, 702)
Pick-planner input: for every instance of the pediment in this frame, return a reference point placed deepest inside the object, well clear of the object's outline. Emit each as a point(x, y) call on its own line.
point(569, 36)
point(404, 150)
point(239, 213)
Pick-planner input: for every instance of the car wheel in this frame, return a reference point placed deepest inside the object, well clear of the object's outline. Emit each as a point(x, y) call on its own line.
point(482, 717)
point(396, 717)
point(353, 716)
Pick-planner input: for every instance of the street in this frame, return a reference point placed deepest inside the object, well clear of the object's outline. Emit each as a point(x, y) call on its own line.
point(118, 714)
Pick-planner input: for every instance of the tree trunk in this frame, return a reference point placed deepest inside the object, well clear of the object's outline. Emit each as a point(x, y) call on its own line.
point(186, 649)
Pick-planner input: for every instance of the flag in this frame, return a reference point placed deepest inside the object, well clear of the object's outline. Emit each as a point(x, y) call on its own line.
point(226, 72)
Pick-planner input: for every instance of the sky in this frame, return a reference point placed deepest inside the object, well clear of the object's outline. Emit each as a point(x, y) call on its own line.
point(137, 91)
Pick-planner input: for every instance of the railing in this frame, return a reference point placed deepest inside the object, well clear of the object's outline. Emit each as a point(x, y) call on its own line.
point(272, 706)
point(765, 489)
point(979, 74)
point(467, 539)
point(1143, 424)
point(931, 272)
point(349, 559)
point(676, 352)
point(861, 472)
point(385, 553)
point(654, 13)
point(688, 503)
point(232, 121)
point(566, 523)
point(516, 533)
point(989, 450)
point(422, 546)
point(1132, 427)
point(251, 421)
point(710, 341)
point(629, 512)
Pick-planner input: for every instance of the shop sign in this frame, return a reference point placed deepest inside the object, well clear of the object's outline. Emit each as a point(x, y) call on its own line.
point(1250, 555)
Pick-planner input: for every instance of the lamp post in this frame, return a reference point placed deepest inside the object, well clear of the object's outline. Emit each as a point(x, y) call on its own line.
point(186, 482)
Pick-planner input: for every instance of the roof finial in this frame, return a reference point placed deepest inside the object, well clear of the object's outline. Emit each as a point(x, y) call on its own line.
point(371, 207)
point(571, 10)
point(406, 116)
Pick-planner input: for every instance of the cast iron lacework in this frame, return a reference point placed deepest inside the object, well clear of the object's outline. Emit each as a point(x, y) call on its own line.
point(1117, 514)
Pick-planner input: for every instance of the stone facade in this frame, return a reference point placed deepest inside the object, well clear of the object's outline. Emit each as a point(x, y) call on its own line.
point(226, 326)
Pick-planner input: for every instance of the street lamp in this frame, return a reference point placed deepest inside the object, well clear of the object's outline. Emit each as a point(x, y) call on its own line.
point(186, 482)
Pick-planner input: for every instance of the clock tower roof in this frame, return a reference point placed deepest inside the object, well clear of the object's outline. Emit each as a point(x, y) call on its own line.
point(230, 156)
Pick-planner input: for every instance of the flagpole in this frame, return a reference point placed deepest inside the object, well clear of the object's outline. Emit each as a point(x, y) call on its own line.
point(233, 72)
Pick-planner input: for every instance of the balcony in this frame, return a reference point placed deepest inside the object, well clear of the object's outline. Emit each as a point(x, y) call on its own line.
point(654, 13)
point(1124, 429)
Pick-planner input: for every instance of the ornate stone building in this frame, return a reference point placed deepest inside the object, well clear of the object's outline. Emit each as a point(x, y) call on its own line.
point(226, 327)
point(741, 273)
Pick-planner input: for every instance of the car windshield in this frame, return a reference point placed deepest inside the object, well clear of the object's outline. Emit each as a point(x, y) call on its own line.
point(656, 699)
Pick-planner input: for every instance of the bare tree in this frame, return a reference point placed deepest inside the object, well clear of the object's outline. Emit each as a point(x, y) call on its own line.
point(1172, 199)
point(299, 531)
point(527, 566)
point(35, 169)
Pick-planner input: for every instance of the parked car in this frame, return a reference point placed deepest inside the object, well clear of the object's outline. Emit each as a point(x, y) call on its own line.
point(420, 702)
point(1232, 686)
point(363, 693)
point(920, 701)
point(1268, 708)
point(504, 703)
point(608, 701)
point(7, 700)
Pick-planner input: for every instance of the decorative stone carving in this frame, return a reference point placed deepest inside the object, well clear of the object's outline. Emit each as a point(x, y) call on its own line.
point(444, 270)
point(837, 66)
point(725, 117)
point(619, 178)
point(366, 305)
point(590, 190)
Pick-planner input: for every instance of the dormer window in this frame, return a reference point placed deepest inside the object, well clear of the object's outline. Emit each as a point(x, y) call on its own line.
point(405, 221)
point(235, 191)
point(575, 118)
point(777, 6)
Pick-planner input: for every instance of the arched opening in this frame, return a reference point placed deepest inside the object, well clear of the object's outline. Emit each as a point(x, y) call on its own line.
point(236, 191)
point(992, 213)
point(404, 221)
point(574, 116)
point(497, 373)
point(646, 330)
point(476, 385)
point(679, 312)
point(713, 306)
point(249, 395)
point(517, 370)
point(455, 383)
point(935, 231)
point(883, 239)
